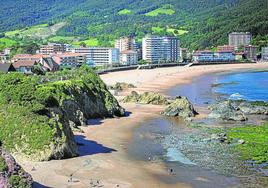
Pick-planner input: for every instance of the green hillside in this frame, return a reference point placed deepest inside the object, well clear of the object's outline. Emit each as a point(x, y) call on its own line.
point(199, 24)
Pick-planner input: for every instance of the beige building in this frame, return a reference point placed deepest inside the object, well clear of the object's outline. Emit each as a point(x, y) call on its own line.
point(226, 48)
point(125, 43)
point(251, 52)
point(129, 57)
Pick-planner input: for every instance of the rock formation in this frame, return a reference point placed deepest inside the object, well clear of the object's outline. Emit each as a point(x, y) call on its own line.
point(181, 107)
point(146, 98)
point(37, 114)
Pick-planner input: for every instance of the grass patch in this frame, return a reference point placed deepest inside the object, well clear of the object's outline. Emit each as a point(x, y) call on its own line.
point(41, 31)
point(92, 42)
point(159, 11)
point(7, 43)
point(256, 146)
point(177, 32)
point(62, 39)
point(124, 12)
point(158, 29)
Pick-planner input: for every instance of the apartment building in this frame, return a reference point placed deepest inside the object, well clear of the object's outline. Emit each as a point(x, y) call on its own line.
point(99, 56)
point(52, 48)
point(129, 57)
point(69, 60)
point(238, 39)
point(125, 43)
point(210, 56)
point(251, 52)
point(157, 49)
point(264, 53)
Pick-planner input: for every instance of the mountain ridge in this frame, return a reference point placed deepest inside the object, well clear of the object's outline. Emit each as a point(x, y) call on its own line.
point(207, 22)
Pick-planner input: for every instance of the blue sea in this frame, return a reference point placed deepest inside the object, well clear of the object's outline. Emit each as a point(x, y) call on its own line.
point(207, 89)
point(251, 86)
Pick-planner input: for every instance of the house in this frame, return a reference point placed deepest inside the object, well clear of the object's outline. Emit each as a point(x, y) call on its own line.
point(45, 61)
point(6, 67)
point(25, 66)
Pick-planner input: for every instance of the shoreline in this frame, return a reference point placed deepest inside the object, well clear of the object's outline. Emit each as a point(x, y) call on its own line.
point(110, 162)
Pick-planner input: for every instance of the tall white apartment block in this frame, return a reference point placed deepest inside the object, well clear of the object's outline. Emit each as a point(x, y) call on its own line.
point(238, 39)
point(157, 49)
point(99, 56)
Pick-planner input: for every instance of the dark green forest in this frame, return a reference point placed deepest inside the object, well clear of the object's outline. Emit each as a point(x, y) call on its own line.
point(198, 24)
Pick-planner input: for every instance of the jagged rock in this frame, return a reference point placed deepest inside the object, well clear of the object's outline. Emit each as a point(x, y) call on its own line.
point(182, 107)
point(120, 86)
point(260, 108)
point(11, 174)
point(226, 111)
point(146, 98)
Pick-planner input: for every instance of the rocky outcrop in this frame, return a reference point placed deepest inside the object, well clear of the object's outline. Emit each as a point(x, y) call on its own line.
point(11, 174)
point(37, 116)
point(226, 110)
point(120, 86)
point(146, 98)
point(181, 107)
point(237, 110)
point(257, 107)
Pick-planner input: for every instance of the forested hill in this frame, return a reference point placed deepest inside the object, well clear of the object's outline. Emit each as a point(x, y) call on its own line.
point(198, 23)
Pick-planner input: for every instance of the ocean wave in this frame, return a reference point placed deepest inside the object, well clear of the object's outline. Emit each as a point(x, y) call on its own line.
point(236, 96)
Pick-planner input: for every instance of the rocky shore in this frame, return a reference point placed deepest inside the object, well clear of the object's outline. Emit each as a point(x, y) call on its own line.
point(11, 173)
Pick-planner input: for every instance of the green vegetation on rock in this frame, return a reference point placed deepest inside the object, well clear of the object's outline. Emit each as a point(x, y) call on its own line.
point(256, 142)
point(146, 98)
point(17, 181)
point(3, 164)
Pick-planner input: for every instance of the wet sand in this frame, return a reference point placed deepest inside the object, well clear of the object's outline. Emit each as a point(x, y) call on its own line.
point(104, 154)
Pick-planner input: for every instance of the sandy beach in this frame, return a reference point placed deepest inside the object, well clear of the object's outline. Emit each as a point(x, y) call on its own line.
point(109, 163)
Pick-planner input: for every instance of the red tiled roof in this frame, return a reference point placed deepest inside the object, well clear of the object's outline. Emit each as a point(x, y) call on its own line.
point(22, 63)
point(22, 55)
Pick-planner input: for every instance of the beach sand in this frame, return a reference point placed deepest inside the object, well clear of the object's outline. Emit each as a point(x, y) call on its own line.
point(105, 156)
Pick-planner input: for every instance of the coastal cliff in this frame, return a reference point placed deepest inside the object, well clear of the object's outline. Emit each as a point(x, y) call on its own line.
point(37, 113)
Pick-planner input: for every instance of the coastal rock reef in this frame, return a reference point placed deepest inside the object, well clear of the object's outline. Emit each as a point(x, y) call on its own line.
point(175, 107)
point(38, 112)
point(237, 110)
point(11, 174)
